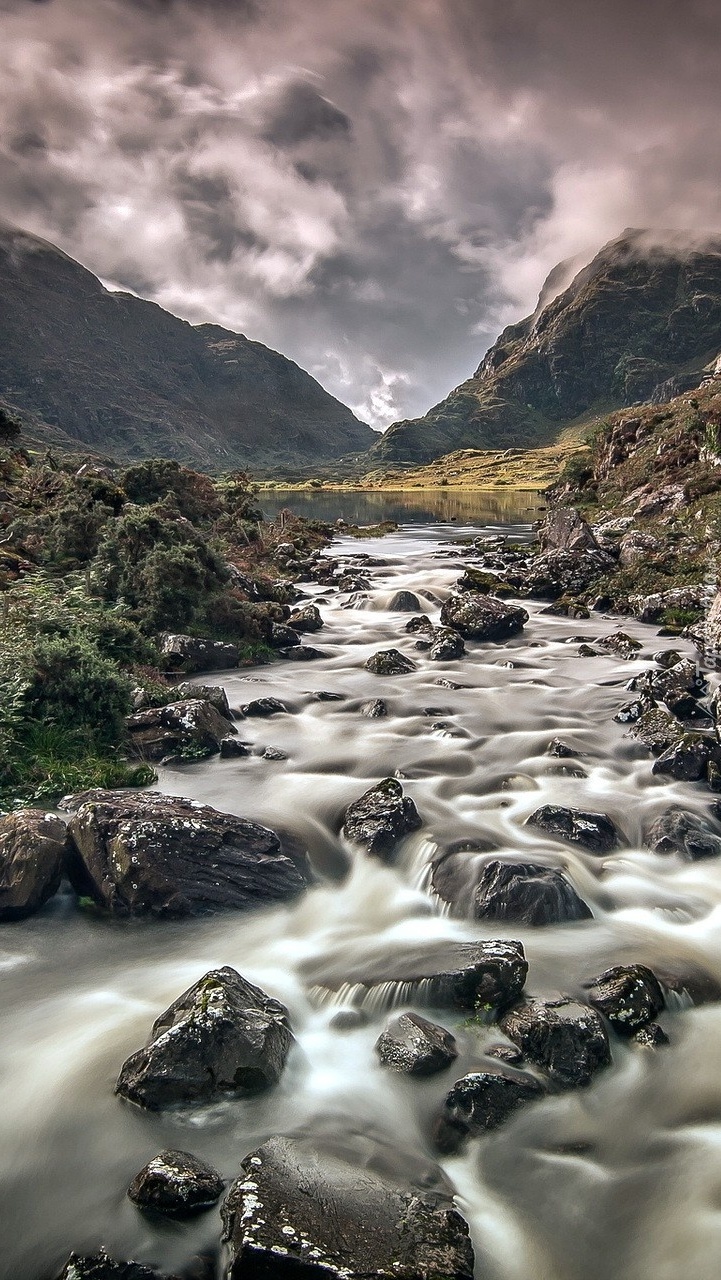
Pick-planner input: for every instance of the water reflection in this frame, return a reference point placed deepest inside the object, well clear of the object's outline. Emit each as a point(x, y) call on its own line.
point(476, 507)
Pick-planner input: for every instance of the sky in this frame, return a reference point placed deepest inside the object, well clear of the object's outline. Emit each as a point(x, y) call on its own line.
point(373, 188)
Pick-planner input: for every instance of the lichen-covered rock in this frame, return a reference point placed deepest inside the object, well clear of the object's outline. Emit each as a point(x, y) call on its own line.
point(221, 1036)
point(193, 653)
point(297, 1210)
point(99, 1266)
point(375, 709)
point(481, 1101)
point(483, 617)
point(657, 730)
point(307, 618)
point(679, 687)
point(421, 623)
point(651, 1037)
point(564, 1038)
point(486, 583)
point(389, 662)
point(189, 729)
point(445, 645)
point(414, 1046)
point(636, 546)
point(176, 1183)
point(213, 693)
point(678, 831)
point(33, 847)
point(595, 832)
point(282, 636)
point(263, 707)
point(564, 529)
point(650, 608)
point(526, 894)
point(629, 995)
point(688, 759)
point(381, 817)
point(151, 854)
point(622, 645)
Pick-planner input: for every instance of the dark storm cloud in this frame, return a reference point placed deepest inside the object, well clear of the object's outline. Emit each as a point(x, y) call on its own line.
point(373, 188)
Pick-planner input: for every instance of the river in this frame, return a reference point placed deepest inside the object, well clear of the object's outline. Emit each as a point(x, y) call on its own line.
point(618, 1180)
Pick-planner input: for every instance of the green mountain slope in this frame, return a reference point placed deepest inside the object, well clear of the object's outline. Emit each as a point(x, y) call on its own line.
point(120, 375)
point(636, 317)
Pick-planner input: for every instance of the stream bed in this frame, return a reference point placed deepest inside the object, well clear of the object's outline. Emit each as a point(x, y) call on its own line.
point(618, 1180)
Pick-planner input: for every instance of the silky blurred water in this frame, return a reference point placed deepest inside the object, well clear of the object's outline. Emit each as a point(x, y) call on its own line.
point(622, 1179)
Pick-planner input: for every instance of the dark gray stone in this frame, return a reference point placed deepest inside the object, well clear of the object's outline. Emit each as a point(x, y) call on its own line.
point(526, 894)
point(629, 995)
point(190, 729)
point(481, 1101)
point(307, 618)
point(33, 847)
point(404, 602)
point(592, 831)
point(213, 693)
point(99, 1266)
point(389, 662)
point(677, 831)
point(414, 1046)
point(177, 1184)
point(566, 1039)
point(263, 707)
point(688, 758)
point(479, 617)
point(375, 709)
point(193, 653)
point(381, 817)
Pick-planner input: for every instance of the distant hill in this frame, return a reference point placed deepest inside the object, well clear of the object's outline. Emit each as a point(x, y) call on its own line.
point(119, 375)
point(641, 320)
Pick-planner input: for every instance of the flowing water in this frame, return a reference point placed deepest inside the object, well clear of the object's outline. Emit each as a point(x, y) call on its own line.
point(622, 1179)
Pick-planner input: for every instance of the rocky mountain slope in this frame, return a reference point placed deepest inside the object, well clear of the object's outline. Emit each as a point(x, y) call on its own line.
point(639, 322)
point(117, 374)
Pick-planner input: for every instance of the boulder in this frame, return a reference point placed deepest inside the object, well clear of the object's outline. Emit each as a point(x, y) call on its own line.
point(651, 1037)
point(479, 617)
point(679, 687)
point(678, 831)
point(629, 995)
point(622, 645)
point(213, 693)
point(283, 637)
point(486, 583)
point(221, 1036)
point(481, 1101)
point(389, 662)
point(689, 757)
point(420, 623)
point(592, 831)
point(99, 1266)
point(454, 975)
point(381, 817)
point(375, 709)
point(445, 645)
point(404, 602)
point(636, 546)
point(302, 1210)
point(657, 730)
point(353, 582)
point(263, 707)
point(307, 618)
point(561, 573)
point(232, 748)
point(194, 653)
point(150, 854)
point(191, 729)
point(525, 894)
point(33, 848)
point(301, 653)
point(564, 529)
point(414, 1046)
point(176, 1183)
point(564, 1038)
point(667, 499)
point(650, 607)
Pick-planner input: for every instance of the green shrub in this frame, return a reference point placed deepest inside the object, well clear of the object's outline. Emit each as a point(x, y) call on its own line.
point(72, 684)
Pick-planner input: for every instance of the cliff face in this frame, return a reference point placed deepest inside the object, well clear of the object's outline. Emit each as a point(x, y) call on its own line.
point(637, 317)
point(120, 375)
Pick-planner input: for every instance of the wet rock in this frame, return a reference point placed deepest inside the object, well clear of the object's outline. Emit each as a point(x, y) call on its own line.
point(375, 709)
point(301, 1210)
point(678, 831)
point(679, 687)
point(592, 831)
point(479, 617)
point(389, 662)
point(414, 1046)
point(481, 1101)
point(455, 975)
point(324, 695)
point(562, 573)
point(564, 529)
point(150, 854)
point(263, 707)
point(223, 1035)
point(99, 1266)
point(445, 645)
point(527, 894)
point(348, 1020)
point(181, 730)
point(301, 653)
point(651, 1037)
point(176, 1183)
point(484, 582)
point(404, 602)
point(667, 658)
point(560, 749)
point(381, 817)
point(636, 546)
point(307, 618)
point(273, 753)
point(420, 623)
point(632, 711)
point(657, 730)
point(232, 749)
point(630, 996)
point(213, 693)
point(283, 637)
point(33, 847)
point(688, 759)
point(564, 1038)
point(622, 645)
point(586, 651)
point(193, 653)
point(507, 1053)
point(353, 582)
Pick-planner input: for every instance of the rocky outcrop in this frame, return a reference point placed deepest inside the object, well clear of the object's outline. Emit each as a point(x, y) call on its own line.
point(566, 1039)
point(193, 653)
point(595, 832)
point(564, 529)
point(150, 854)
point(297, 1210)
point(33, 847)
point(414, 1046)
point(481, 1101)
point(213, 693)
point(191, 729)
point(177, 1184)
point(630, 996)
point(221, 1036)
point(483, 617)
point(389, 662)
point(381, 817)
point(526, 894)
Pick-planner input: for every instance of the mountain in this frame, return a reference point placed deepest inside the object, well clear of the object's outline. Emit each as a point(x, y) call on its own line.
point(118, 374)
point(641, 320)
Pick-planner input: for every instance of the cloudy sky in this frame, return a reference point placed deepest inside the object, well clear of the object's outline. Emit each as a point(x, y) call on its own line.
point(372, 187)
